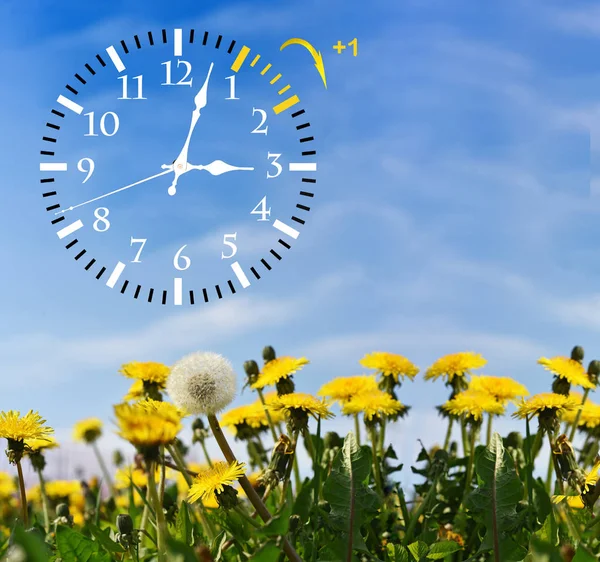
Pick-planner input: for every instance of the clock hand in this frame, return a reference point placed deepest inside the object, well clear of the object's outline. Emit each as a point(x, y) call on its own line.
point(112, 192)
point(180, 164)
point(217, 167)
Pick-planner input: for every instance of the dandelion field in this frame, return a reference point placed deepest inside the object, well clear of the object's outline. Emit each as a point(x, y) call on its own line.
point(485, 497)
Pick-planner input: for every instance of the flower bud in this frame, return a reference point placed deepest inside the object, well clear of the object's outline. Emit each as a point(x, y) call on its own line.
point(268, 354)
point(62, 510)
point(295, 523)
point(561, 386)
point(514, 440)
point(577, 353)
point(332, 440)
point(118, 458)
point(325, 506)
point(594, 371)
point(124, 524)
point(37, 460)
point(227, 498)
point(285, 386)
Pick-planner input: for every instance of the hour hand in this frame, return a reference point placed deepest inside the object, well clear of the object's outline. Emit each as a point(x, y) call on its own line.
point(218, 167)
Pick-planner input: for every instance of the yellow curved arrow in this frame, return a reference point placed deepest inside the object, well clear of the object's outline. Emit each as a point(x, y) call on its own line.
point(316, 55)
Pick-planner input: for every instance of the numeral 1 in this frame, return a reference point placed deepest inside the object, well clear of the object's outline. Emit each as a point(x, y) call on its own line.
point(139, 88)
point(231, 88)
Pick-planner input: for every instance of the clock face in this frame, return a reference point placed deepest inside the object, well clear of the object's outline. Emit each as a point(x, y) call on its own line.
point(178, 167)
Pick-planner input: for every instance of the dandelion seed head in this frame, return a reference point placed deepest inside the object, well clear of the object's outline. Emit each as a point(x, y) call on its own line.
point(202, 383)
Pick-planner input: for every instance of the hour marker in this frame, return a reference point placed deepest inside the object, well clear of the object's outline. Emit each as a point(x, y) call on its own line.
point(239, 273)
point(114, 276)
point(265, 69)
point(53, 166)
point(115, 58)
point(255, 60)
point(177, 43)
point(286, 104)
point(178, 291)
point(282, 227)
point(284, 89)
point(73, 227)
point(69, 104)
point(239, 60)
point(303, 166)
point(275, 79)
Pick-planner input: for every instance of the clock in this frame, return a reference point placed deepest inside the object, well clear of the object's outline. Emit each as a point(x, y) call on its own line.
point(178, 167)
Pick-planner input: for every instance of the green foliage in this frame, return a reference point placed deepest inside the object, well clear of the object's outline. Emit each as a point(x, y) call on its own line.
point(74, 547)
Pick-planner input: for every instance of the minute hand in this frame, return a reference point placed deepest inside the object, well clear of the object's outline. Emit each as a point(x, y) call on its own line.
point(218, 167)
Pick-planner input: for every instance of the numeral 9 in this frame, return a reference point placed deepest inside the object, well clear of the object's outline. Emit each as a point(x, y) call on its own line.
point(88, 169)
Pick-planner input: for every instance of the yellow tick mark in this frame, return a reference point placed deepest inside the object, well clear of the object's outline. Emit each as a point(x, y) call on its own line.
point(275, 79)
point(239, 60)
point(255, 60)
point(286, 104)
point(265, 69)
point(284, 89)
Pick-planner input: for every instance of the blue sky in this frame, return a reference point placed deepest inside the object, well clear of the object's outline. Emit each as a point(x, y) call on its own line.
point(456, 207)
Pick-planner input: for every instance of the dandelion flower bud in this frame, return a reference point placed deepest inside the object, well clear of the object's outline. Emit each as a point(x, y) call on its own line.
point(202, 383)
point(577, 353)
point(62, 510)
point(268, 354)
point(124, 524)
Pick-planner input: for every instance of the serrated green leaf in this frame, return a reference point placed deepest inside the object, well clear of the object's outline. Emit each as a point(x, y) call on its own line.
point(74, 547)
point(280, 523)
point(184, 525)
point(352, 502)
point(397, 553)
point(439, 550)
point(418, 549)
point(34, 546)
point(104, 540)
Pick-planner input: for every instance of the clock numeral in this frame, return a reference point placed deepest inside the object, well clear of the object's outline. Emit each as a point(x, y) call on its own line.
point(89, 170)
point(274, 163)
point(101, 224)
point(231, 88)
point(230, 244)
point(180, 258)
point(261, 209)
point(140, 96)
point(103, 129)
point(263, 120)
point(183, 81)
point(141, 241)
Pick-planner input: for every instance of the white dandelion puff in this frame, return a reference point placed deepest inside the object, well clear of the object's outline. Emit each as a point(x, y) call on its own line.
point(202, 383)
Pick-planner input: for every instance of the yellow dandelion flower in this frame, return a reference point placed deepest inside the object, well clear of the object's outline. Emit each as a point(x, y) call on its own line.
point(589, 417)
point(447, 534)
point(343, 389)
point(15, 427)
point(455, 365)
point(503, 389)
point(473, 403)
point(7, 486)
point(277, 369)
point(182, 485)
point(568, 369)
point(579, 502)
point(127, 475)
point(149, 372)
point(78, 518)
point(211, 481)
point(252, 415)
point(87, 430)
point(60, 489)
point(148, 423)
point(36, 445)
point(545, 401)
point(390, 365)
point(377, 403)
point(301, 401)
point(135, 392)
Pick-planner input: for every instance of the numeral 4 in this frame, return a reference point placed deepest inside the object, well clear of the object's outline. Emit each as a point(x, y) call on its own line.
point(183, 81)
point(261, 209)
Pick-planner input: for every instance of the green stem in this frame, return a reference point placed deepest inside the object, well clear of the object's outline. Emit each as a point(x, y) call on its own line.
point(180, 463)
point(465, 438)
point(376, 467)
point(45, 507)
point(420, 510)
point(161, 522)
point(310, 449)
point(529, 463)
point(23, 495)
point(382, 437)
point(205, 451)
point(103, 468)
point(357, 429)
point(578, 415)
point(246, 517)
point(471, 462)
point(251, 494)
point(292, 464)
point(268, 414)
point(489, 429)
point(448, 434)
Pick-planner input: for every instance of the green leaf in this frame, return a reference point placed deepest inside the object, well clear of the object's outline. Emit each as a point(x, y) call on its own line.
point(439, 550)
point(104, 540)
point(541, 551)
point(583, 556)
point(397, 553)
point(280, 523)
point(303, 501)
point(184, 551)
point(495, 500)
point(217, 545)
point(74, 547)
point(541, 500)
point(268, 553)
point(184, 525)
point(352, 502)
point(418, 549)
point(35, 548)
